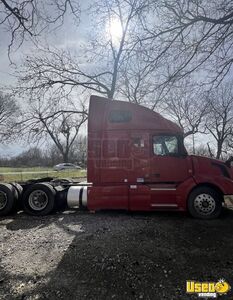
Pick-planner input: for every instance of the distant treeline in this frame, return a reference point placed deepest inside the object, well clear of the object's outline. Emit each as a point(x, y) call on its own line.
point(45, 158)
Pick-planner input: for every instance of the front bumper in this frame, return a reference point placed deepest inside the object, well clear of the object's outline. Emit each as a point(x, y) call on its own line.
point(228, 201)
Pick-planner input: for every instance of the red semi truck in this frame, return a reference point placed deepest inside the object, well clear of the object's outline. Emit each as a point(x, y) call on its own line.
point(136, 161)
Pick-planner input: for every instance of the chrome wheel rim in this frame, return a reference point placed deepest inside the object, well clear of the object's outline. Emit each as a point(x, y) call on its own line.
point(3, 200)
point(204, 204)
point(38, 200)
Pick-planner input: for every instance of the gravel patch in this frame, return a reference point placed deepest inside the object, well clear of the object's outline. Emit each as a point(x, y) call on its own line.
point(112, 255)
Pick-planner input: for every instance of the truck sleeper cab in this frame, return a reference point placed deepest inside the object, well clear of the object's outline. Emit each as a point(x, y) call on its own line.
point(136, 161)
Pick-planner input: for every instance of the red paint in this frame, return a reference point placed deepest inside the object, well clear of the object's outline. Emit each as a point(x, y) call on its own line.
point(123, 169)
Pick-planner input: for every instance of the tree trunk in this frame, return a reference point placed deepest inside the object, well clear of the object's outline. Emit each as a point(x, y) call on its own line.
point(219, 149)
point(65, 157)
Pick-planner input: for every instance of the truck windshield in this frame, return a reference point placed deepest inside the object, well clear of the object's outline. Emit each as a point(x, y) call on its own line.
point(165, 145)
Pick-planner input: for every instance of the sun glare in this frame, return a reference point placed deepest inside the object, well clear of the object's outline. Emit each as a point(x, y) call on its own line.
point(115, 31)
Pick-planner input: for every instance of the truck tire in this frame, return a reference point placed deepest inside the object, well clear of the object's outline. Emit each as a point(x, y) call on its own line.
point(18, 188)
point(39, 199)
point(8, 197)
point(18, 195)
point(204, 203)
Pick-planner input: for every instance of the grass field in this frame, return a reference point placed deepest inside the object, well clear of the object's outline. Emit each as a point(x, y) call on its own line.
point(23, 174)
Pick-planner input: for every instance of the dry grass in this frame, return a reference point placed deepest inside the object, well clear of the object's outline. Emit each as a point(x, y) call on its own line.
point(23, 174)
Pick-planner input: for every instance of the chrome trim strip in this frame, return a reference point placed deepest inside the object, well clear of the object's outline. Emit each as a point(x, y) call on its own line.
point(163, 189)
point(164, 205)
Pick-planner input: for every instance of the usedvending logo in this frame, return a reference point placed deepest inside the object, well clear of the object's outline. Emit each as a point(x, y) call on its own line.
point(207, 289)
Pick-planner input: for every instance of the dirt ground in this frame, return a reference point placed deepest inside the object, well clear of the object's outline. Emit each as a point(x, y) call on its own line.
point(112, 255)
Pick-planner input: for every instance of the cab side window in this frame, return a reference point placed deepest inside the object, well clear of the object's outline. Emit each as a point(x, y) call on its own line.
point(120, 116)
point(165, 145)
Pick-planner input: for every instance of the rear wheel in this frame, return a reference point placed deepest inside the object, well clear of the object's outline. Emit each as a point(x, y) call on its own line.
point(39, 199)
point(204, 203)
point(18, 194)
point(19, 189)
point(8, 197)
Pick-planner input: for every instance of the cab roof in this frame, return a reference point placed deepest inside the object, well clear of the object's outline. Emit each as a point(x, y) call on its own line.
point(106, 114)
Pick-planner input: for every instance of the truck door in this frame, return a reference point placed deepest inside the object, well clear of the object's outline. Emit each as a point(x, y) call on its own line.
point(139, 193)
point(169, 166)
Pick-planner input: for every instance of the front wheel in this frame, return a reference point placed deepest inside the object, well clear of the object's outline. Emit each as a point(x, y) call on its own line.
point(204, 203)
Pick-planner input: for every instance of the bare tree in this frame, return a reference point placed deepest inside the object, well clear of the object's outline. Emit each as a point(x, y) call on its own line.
point(184, 37)
point(8, 113)
point(137, 83)
point(79, 151)
point(187, 105)
point(50, 121)
point(98, 64)
point(139, 48)
point(28, 18)
point(220, 120)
